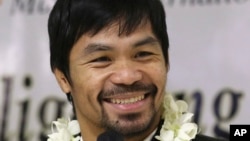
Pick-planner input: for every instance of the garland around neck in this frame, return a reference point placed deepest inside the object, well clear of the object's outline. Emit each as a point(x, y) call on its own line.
point(177, 124)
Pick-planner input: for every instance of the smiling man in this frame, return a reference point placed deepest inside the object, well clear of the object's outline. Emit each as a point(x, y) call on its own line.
point(111, 59)
point(112, 80)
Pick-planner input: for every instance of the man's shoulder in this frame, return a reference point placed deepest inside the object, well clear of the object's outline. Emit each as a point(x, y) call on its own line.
point(200, 137)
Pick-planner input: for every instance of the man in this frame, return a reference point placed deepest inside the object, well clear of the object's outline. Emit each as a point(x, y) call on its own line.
point(111, 59)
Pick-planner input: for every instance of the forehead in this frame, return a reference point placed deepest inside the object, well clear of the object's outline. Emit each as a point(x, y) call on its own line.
point(111, 36)
point(109, 42)
point(121, 29)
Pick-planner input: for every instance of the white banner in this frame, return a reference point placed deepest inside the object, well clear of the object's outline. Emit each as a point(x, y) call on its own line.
point(209, 65)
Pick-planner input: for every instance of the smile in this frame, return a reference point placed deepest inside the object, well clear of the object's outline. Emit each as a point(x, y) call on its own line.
point(127, 100)
point(127, 103)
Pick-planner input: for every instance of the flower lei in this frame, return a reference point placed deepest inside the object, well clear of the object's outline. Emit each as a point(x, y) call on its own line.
point(66, 130)
point(177, 125)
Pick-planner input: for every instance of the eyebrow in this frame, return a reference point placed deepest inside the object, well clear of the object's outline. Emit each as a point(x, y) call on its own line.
point(148, 40)
point(95, 47)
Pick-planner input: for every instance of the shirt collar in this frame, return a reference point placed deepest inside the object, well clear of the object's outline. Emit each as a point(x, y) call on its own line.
point(149, 138)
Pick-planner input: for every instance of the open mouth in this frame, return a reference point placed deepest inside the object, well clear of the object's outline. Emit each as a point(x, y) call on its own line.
point(126, 100)
point(127, 103)
point(125, 95)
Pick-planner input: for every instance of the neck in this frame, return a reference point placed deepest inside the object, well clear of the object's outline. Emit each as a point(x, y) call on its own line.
point(90, 132)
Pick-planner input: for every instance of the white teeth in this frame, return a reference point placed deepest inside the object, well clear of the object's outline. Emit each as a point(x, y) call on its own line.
point(127, 100)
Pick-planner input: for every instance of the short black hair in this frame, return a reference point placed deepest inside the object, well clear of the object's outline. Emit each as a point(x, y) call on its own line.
point(70, 19)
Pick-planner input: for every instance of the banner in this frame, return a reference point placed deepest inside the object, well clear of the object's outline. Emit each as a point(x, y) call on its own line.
point(209, 66)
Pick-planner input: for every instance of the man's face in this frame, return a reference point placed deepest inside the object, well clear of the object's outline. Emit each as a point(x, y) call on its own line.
point(118, 82)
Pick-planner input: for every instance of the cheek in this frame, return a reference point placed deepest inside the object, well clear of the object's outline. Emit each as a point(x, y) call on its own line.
point(159, 77)
point(85, 89)
point(158, 74)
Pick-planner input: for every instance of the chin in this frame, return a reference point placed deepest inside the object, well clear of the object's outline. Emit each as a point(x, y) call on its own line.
point(131, 124)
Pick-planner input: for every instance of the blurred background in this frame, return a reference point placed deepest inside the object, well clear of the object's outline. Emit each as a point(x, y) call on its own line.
point(209, 66)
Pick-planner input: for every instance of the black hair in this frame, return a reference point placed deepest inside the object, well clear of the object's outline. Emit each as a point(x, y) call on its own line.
point(70, 19)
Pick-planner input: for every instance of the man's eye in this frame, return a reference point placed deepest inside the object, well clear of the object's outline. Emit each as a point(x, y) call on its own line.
point(101, 59)
point(143, 54)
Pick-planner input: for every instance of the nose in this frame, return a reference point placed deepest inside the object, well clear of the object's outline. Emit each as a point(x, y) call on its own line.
point(125, 73)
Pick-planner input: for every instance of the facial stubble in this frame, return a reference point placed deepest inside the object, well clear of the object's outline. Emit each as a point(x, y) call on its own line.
point(130, 124)
point(133, 123)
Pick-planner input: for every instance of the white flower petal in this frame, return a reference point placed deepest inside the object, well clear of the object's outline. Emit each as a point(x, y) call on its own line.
point(182, 106)
point(178, 139)
point(65, 135)
point(167, 136)
point(187, 117)
point(74, 127)
point(187, 131)
point(65, 128)
point(60, 124)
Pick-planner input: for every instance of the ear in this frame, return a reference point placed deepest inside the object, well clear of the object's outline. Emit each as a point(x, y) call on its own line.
point(167, 67)
point(62, 81)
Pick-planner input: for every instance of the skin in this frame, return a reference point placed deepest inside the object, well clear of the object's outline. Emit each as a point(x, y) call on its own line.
point(105, 61)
